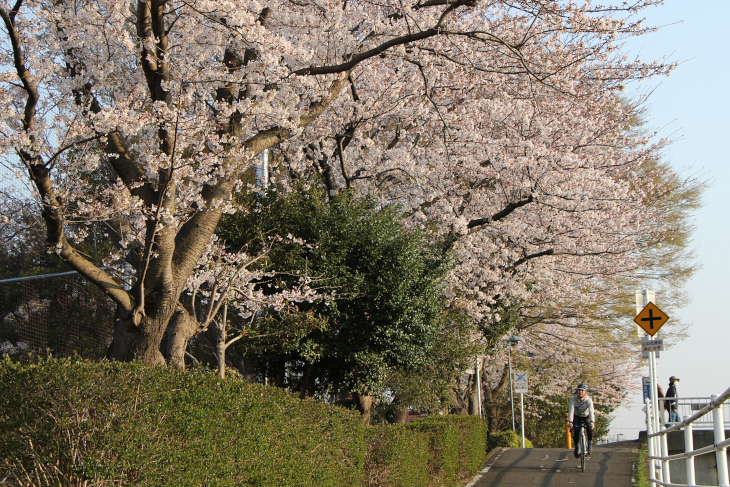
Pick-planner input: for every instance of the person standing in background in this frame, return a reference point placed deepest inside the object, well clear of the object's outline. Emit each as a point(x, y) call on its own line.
point(671, 406)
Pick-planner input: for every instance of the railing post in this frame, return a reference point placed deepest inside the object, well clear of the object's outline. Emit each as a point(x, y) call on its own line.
point(650, 443)
point(720, 453)
point(666, 475)
point(689, 462)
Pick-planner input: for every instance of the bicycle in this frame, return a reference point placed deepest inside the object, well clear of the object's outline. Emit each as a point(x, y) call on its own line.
point(582, 445)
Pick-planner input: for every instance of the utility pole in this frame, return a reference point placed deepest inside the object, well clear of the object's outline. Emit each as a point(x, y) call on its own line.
point(513, 341)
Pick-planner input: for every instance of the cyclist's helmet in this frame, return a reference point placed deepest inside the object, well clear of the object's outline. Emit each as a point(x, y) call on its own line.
point(582, 387)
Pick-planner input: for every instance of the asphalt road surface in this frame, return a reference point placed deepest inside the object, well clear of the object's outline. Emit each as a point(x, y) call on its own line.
point(610, 466)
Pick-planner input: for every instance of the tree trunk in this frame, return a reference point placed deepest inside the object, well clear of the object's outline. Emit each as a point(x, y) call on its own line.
point(364, 404)
point(491, 410)
point(181, 328)
point(159, 339)
point(246, 369)
point(400, 415)
point(307, 381)
point(459, 396)
point(473, 396)
point(140, 342)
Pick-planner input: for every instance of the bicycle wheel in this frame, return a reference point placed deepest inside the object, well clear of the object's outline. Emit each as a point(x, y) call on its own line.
point(583, 449)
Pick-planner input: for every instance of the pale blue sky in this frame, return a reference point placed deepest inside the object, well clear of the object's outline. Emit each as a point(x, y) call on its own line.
point(694, 103)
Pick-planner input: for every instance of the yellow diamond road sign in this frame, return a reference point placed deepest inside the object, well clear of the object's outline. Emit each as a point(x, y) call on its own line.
point(651, 319)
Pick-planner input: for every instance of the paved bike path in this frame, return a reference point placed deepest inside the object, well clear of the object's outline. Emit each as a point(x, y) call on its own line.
point(611, 465)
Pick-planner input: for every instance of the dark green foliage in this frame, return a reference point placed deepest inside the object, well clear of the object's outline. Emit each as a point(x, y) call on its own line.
point(387, 310)
point(431, 388)
point(156, 426)
point(508, 439)
point(396, 457)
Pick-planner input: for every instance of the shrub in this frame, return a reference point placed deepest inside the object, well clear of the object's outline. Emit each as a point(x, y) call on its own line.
point(444, 448)
point(450, 448)
point(126, 424)
point(473, 433)
point(508, 439)
point(397, 456)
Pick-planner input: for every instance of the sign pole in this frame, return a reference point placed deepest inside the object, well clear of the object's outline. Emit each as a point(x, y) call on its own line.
point(650, 319)
point(655, 408)
point(511, 388)
point(479, 389)
point(522, 418)
point(521, 386)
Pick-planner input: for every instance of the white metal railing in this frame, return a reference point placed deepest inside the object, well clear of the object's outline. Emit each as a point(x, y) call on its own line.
point(659, 457)
point(687, 406)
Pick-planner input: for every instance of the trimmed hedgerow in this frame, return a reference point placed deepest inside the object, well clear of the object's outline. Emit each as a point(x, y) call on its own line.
point(126, 424)
point(65, 423)
point(396, 457)
point(508, 439)
point(443, 464)
point(473, 433)
point(433, 451)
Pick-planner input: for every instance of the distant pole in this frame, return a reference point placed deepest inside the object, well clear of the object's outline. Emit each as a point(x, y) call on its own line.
point(479, 390)
point(511, 394)
point(512, 342)
point(522, 418)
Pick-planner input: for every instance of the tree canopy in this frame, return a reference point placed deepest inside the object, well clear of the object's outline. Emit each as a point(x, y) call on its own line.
point(498, 126)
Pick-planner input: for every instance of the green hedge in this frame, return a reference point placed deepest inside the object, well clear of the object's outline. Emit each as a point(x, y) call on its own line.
point(137, 425)
point(473, 433)
point(436, 451)
point(443, 463)
point(396, 457)
point(64, 422)
point(508, 439)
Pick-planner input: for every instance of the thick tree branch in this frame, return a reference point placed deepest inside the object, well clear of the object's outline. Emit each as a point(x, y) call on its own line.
point(56, 240)
point(356, 59)
point(188, 248)
point(20, 67)
point(519, 262)
point(151, 32)
point(501, 214)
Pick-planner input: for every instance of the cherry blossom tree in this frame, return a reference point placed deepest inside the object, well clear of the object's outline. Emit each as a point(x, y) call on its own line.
point(497, 122)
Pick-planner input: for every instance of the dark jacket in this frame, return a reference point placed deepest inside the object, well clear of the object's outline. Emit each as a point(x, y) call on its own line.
point(671, 392)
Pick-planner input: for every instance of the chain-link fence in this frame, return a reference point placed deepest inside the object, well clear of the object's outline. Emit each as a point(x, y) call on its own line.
point(59, 314)
point(43, 307)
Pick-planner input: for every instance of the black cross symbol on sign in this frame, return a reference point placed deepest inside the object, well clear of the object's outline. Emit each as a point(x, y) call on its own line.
point(651, 319)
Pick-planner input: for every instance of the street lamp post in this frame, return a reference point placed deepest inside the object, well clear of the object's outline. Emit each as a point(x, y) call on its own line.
point(512, 342)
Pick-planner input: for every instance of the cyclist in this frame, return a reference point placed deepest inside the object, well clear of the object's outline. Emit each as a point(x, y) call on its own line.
point(580, 412)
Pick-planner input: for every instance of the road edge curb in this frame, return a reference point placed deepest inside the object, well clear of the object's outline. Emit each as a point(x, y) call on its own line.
point(490, 459)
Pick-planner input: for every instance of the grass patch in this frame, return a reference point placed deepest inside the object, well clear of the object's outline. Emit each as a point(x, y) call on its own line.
point(641, 467)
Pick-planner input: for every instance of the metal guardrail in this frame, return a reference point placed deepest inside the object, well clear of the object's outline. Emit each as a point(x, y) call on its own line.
point(659, 458)
point(687, 406)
